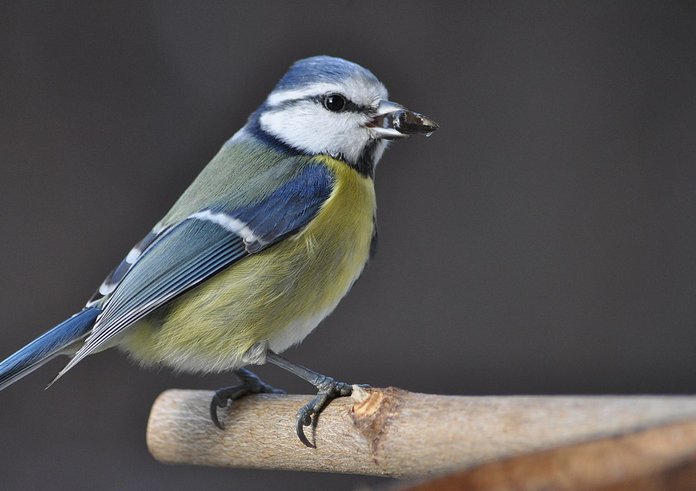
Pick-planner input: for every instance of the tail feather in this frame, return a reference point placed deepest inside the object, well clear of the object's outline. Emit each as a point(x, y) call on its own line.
point(55, 342)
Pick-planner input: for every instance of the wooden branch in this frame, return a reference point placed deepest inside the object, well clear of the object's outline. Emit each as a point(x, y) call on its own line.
point(390, 432)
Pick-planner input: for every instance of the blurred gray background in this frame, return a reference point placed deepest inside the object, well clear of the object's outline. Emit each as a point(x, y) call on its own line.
point(542, 242)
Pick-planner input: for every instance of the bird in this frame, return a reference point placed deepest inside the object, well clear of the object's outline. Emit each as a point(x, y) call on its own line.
point(258, 250)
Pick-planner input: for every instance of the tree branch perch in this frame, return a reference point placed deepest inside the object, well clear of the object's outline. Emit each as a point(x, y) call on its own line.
point(391, 432)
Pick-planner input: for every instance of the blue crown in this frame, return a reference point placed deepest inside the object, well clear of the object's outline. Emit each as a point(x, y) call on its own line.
point(321, 69)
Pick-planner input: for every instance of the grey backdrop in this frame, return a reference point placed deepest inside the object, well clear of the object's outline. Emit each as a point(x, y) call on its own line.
point(542, 242)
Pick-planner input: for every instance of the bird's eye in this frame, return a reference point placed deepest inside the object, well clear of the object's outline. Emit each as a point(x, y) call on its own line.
point(334, 102)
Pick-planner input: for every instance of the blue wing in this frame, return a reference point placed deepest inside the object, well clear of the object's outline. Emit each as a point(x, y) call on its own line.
point(202, 245)
point(114, 278)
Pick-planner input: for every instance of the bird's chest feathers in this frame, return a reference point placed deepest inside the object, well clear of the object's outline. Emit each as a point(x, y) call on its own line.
point(327, 256)
point(337, 240)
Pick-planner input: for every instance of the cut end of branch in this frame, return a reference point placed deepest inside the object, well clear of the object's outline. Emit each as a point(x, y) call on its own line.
point(373, 414)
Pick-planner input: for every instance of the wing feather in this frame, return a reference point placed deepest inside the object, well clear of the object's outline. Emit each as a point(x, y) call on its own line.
point(202, 245)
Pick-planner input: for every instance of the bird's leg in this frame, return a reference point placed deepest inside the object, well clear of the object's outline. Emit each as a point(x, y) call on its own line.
point(251, 384)
point(329, 389)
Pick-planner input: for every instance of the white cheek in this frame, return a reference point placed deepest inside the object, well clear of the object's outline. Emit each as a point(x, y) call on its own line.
point(315, 130)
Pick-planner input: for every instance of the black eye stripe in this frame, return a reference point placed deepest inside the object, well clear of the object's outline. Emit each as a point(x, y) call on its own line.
point(350, 107)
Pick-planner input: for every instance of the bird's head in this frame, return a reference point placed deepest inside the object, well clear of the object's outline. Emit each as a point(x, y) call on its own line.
point(326, 105)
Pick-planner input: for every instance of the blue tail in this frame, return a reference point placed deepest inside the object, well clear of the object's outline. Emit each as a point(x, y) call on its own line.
point(55, 342)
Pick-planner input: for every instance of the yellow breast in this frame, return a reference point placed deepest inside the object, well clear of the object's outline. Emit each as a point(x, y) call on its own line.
point(275, 297)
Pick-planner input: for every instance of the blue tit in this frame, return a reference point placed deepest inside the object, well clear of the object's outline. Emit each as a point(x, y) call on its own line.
point(258, 250)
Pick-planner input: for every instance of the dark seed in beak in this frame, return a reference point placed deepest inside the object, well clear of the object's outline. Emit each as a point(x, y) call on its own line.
point(409, 123)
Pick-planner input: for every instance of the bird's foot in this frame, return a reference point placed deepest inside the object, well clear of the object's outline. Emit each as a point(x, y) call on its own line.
point(251, 384)
point(329, 389)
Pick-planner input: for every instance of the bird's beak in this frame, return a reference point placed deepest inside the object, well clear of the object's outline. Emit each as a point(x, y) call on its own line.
point(393, 121)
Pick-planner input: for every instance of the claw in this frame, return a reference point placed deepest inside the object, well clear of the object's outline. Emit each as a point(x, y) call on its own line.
point(329, 389)
point(223, 398)
point(215, 403)
point(301, 422)
point(214, 416)
point(251, 384)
